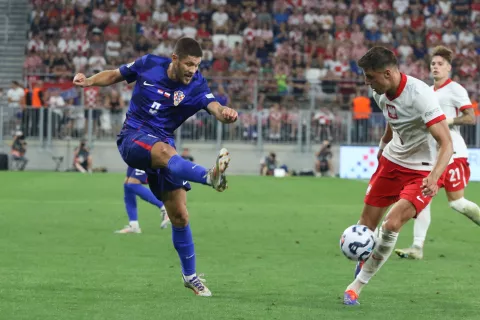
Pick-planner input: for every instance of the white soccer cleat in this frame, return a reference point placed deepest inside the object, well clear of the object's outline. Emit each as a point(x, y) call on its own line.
point(129, 229)
point(165, 218)
point(216, 176)
point(196, 284)
point(414, 252)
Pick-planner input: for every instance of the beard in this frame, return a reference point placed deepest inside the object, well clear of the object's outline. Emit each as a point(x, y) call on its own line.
point(182, 76)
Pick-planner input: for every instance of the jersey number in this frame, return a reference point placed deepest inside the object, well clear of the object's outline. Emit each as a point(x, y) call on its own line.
point(154, 108)
point(454, 174)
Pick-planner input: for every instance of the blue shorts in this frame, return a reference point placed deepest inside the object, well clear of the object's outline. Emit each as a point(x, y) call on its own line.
point(137, 174)
point(135, 147)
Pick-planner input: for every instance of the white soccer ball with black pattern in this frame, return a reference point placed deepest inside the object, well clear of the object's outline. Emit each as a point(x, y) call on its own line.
point(357, 242)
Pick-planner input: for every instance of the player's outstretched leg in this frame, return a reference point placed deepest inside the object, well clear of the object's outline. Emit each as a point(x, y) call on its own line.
point(467, 208)
point(130, 199)
point(420, 228)
point(182, 238)
point(400, 213)
point(164, 155)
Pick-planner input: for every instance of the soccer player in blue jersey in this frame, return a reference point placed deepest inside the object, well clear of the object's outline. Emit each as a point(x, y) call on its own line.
point(167, 92)
point(132, 188)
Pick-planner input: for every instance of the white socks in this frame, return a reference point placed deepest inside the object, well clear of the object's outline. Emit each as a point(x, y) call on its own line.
point(383, 249)
point(190, 277)
point(420, 227)
point(134, 224)
point(467, 208)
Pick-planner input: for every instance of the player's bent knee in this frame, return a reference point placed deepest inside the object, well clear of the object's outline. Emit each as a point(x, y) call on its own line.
point(178, 217)
point(161, 153)
point(392, 224)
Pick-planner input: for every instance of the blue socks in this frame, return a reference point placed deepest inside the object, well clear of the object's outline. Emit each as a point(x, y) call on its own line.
point(130, 200)
point(145, 193)
point(187, 170)
point(131, 190)
point(183, 243)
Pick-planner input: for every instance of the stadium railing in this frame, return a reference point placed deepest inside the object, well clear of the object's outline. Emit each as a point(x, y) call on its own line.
point(298, 127)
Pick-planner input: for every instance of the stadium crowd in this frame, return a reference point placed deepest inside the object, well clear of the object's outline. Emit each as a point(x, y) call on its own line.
point(277, 48)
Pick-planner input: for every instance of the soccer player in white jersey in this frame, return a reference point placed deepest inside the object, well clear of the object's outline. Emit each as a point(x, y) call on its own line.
point(458, 109)
point(408, 175)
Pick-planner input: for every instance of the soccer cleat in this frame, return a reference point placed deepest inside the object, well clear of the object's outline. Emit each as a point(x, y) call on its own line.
point(165, 218)
point(350, 298)
point(129, 229)
point(414, 252)
point(196, 284)
point(216, 175)
point(358, 268)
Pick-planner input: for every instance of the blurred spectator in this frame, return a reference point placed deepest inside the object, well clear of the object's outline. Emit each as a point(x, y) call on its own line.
point(187, 155)
point(82, 160)
point(323, 161)
point(18, 150)
point(15, 95)
point(115, 105)
point(361, 113)
point(268, 164)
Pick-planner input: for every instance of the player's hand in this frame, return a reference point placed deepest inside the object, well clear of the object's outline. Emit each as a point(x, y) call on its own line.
point(429, 186)
point(80, 80)
point(229, 115)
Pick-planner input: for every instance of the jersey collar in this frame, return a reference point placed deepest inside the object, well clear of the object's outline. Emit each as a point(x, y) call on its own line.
point(401, 86)
point(443, 85)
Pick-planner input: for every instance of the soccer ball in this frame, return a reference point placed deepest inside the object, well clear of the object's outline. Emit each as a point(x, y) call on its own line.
point(357, 242)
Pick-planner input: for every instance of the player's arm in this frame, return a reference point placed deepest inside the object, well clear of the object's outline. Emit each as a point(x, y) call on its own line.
point(436, 122)
point(101, 79)
point(223, 114)
point(462, 102)
point(467, 117)
point(441, 134)
point(387, 136)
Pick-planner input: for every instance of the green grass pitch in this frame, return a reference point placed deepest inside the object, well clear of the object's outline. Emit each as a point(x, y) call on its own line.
point(268, 247)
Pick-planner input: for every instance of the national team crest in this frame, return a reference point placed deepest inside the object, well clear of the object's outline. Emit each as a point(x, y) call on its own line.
point(392, 111)
point(178, 96)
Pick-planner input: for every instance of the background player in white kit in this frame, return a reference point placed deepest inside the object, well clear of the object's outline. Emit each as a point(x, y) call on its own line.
point(407, 175)
point(458, 109)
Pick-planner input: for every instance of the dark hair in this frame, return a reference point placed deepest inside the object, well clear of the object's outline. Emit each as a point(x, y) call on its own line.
point(443, 52)
point(187, 47)
point(377, 58)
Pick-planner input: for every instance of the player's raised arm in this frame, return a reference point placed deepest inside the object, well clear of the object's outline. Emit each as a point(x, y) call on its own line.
point(223, 114)
point(101, 79)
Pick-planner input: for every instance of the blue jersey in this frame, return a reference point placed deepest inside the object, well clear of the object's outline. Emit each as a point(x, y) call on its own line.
point(159, 105)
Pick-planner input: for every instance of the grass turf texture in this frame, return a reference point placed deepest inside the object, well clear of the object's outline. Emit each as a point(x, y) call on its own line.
point(268, 247)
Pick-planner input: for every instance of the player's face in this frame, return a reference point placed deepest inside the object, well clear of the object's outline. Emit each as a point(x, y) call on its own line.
point(379, 81)
point(440, 68)
point(186, 68)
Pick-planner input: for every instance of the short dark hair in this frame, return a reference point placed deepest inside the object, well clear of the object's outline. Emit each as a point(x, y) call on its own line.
point(187, 47)
point(377, 58)
point(443, 52)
